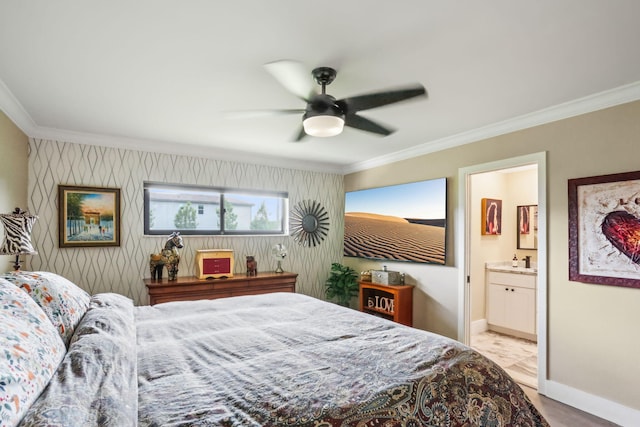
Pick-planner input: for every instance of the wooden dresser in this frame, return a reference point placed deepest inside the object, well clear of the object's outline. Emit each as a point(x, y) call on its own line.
point(192, 288)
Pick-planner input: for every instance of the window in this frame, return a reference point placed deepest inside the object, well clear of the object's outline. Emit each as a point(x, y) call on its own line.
point(193, 210)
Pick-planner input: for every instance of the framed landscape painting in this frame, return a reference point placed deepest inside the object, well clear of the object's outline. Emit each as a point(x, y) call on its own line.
point(604, 229)
point(88, 216)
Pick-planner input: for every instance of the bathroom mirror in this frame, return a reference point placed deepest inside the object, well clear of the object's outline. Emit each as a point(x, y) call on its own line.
point(527, 227)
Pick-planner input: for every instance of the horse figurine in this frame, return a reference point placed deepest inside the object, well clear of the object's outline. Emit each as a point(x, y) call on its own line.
point(169, 257)
point(252, 266)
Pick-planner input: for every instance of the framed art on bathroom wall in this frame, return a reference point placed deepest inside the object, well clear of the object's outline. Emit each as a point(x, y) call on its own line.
point(527, 223)
point(604, 229)
point(491, 217)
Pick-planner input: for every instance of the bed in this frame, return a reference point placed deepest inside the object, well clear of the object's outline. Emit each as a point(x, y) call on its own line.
point(279, 359)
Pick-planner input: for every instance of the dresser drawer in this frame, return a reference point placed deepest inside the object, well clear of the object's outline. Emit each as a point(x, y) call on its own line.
point(193, 288)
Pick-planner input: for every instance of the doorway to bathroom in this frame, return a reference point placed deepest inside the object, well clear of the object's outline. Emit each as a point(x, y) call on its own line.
point(503, 282)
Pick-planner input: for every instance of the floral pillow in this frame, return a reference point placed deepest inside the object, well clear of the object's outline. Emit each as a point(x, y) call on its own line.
point(30, 351)
point(62, 301)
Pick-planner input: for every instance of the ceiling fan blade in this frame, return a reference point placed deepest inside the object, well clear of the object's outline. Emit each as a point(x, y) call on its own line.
point(378, 99)
point(300, 135)
point(359, 122)
point(261, 113)
point(293, 76)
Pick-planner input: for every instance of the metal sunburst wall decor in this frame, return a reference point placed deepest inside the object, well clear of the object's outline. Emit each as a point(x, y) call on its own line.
point(309, 223)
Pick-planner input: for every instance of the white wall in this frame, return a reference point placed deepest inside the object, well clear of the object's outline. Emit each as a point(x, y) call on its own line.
point(514, 189)
point(432, 301)
point(485, 248)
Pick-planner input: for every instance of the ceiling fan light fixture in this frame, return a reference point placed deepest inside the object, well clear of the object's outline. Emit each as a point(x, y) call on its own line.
point(326, 116)
point(323, 126)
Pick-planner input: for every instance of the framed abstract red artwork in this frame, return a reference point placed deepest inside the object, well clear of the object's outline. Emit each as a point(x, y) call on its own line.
point(491, 216)
point(604, 229)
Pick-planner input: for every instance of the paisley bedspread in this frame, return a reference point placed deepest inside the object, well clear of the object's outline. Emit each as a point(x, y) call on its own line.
point(286, 359)
point(279, 359)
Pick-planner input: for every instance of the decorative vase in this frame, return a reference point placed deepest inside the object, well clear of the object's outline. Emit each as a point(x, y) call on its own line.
point(279, 267)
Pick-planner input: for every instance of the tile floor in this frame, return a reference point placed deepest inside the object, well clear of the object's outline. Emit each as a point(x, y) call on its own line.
point(519, 357)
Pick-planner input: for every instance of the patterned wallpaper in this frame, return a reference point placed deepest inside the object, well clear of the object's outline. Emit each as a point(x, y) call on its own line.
point(121, 269)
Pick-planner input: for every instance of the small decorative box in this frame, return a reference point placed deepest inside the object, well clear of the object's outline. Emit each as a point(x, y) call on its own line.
point(214, 263)
point(385, 277)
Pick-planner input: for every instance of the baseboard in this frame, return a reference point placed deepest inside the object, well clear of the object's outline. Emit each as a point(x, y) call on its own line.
point(595, 405)
point(478, 327)
point(513, 333)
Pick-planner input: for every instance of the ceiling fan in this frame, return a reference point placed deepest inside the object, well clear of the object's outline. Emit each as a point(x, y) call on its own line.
point(325, 115)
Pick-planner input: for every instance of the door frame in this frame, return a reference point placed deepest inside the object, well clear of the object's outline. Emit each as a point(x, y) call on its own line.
point(463, 221)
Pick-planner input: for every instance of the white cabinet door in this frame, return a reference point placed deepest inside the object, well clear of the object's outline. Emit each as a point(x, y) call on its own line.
point(511, 306)
point(521, 310)
point(497, 305)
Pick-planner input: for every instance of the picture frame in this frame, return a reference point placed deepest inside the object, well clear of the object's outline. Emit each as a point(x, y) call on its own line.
point(524, 219)
point(527, 227)
point(491, 217)
point(410, 218)
point(88, 216)
point(604, 225)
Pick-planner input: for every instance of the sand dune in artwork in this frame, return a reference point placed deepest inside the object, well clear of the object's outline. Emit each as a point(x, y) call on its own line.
point(375, 236)
point(375, 216)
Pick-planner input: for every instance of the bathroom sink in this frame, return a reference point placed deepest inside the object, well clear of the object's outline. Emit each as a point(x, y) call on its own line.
point(522, 270)
point(507, 268)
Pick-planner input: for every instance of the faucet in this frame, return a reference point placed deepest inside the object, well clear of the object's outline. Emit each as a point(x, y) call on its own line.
point(527, 261)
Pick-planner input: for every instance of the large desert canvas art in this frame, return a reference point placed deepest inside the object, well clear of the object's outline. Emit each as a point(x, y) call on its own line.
point(405, 222)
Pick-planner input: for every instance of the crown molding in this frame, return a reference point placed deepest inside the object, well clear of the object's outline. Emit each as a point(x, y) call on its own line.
point(181, 149)
point(14, 110)
point(17, 114)
point(620, 95)
point(587, 104)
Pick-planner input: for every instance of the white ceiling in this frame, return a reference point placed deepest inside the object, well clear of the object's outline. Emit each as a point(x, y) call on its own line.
point(161, 75)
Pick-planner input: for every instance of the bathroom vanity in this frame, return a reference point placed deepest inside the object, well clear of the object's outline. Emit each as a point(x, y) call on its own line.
point(511, 299)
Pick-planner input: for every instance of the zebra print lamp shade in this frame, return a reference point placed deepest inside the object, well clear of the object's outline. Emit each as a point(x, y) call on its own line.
point(17, 234)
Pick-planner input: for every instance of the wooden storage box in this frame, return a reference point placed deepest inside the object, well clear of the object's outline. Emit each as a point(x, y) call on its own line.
point(214, 263)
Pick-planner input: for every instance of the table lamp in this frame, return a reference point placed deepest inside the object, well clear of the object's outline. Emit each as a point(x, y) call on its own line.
point(17, 235)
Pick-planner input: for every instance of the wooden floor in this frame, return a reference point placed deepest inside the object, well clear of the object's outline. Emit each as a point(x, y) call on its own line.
point(517, 357)
point(560, 415)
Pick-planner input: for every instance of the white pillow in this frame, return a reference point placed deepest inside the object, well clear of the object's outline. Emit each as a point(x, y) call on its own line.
point(30, 351)
point(62, 301)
